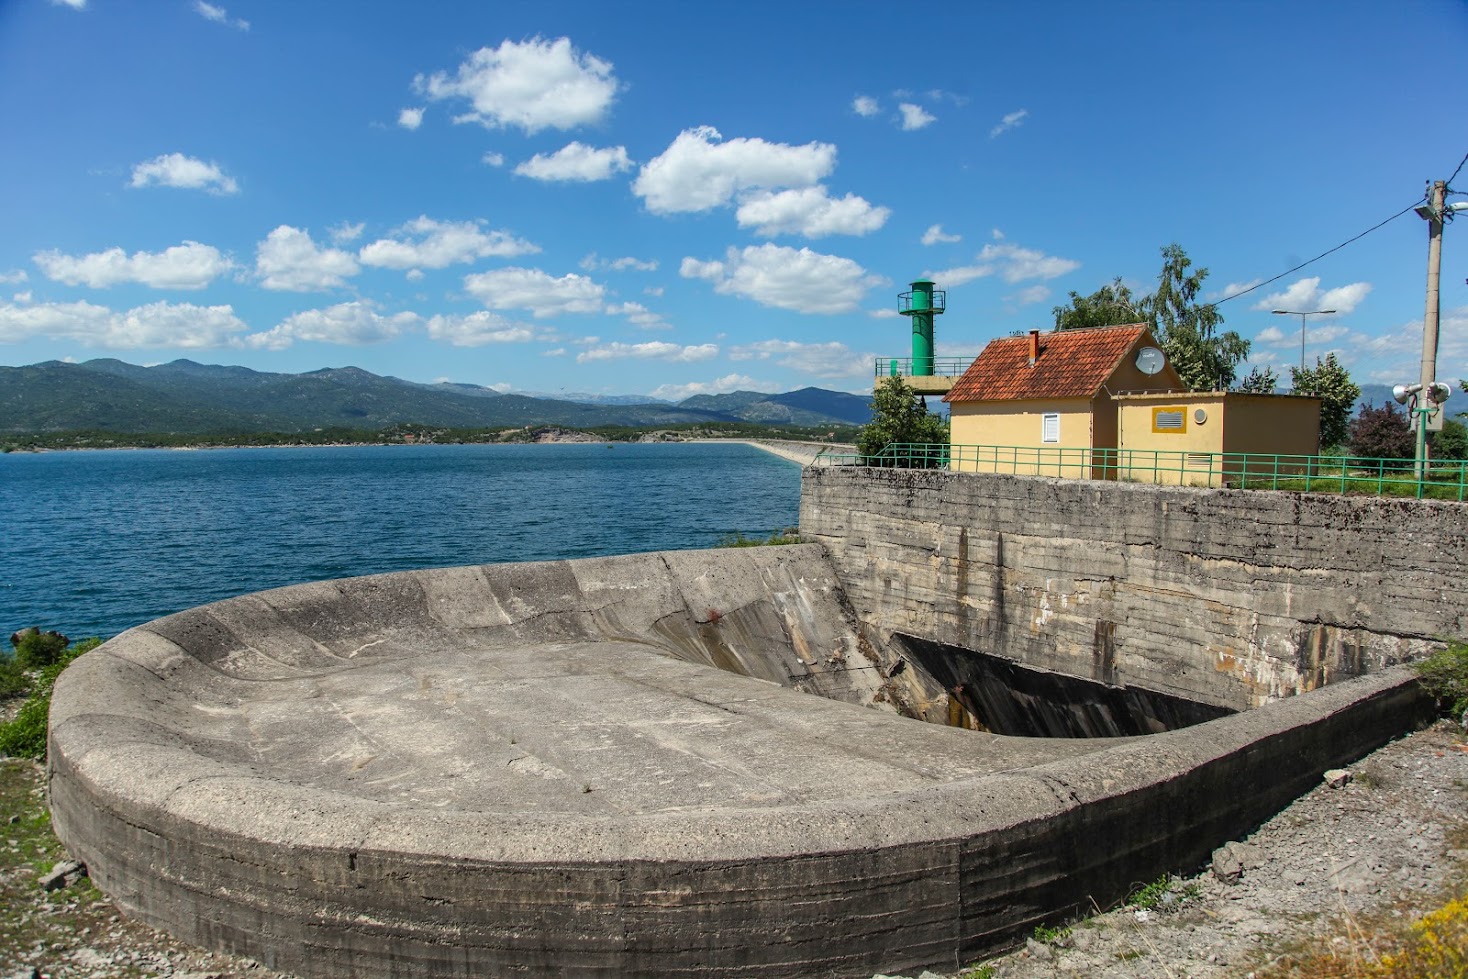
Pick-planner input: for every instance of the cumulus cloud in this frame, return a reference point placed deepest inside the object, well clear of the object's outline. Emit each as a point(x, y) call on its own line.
point(722, 385)
point(73, 4)
point(478, 329)
point(289, 260)
point(13, 277)
point(639, 316)
point(1306, 295)
point(187, 266)
point(1029, 296)
point(593, 263)
point(1233, 289)
point(219, 15)
point(865, 106)
point(1010, 121)
point(821, 359)
point(535, 84)
point(187, 172)
point(934, 236)
point(424, 243)
point(651, 350)
point(810, 212)
point(915, 116)
point(786, 278)
point(354, 323)
point(346, 232)
point(1010, 262)
point(700, 171)
point(493, 159)
point(161, 324)
point(576, 162)
point(410, 118)
point(537, 291)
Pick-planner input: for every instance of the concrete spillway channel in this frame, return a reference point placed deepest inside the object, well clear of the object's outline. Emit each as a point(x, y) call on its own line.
point(677, 764)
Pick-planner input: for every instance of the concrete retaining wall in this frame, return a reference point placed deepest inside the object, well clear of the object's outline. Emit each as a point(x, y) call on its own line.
point(1229, 597)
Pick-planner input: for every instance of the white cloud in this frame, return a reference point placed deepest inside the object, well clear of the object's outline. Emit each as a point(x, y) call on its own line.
point(1011, 262)
point(493, 159)
point(353, 323)
point(639, 316)
point(577, 162)
point(410, 118)
point(535, 84)
point(219, 15)
point(1233, 289)
point(652, 350)
point(915, 116)
point(786, 278)
point(424, 243)
point(885, 313)
point(478, 329)
point(187, 172)
point(1010, 121)
point(556, 352)
point(346, 232)
point(1029, 296)
point(698, 171)
point(187, 266)
point(865, 106)
point(821, 359)
point(1269, 335)
point(653, 291)
point(934, 235)
point(13, 277)
point(810, 212)
point(1305, 295)
point(161, 324)
point(289, 260)
point(73, 4)
point(593, 263)
point(722, 385)
point(537, 291)
point(997, 235)
point(22, 297)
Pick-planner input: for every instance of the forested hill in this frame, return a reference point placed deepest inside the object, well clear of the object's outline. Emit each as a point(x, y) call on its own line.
point(186, 397)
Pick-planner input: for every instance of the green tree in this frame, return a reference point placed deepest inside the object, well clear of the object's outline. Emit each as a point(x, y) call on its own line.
point(1260, 382)
point(1111, 305)
point(1451, 442)
point(1332, 384)
point(900, 415)
point(1187, 330)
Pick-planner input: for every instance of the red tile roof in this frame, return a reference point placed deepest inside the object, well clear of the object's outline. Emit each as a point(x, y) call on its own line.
point(1072, 364)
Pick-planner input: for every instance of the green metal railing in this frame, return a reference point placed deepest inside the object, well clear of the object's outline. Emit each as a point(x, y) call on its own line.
point(1445, 480)
point(903, 366)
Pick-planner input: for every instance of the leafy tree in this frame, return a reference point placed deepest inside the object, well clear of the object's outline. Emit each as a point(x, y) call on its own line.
point(1451, 442)
point(1111, 305)
point(1332, 384)
point(1382, 433)
point(1187, 330)
point(900, 415)
point(1260, 382)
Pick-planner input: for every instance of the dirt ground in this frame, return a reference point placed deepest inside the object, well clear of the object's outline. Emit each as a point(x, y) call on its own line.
point(1387, 845)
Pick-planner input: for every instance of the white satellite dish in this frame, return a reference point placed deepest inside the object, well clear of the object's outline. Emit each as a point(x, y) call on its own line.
point(1150, 360)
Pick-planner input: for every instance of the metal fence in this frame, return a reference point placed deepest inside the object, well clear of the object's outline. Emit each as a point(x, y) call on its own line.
point(1444, 480)
point(935, 366)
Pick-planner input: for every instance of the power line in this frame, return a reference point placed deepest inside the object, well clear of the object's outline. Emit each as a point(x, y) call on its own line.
point(1260, 285)
point(1460, 167)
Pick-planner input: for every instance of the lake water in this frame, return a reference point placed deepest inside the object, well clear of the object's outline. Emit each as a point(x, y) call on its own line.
point(92, 543)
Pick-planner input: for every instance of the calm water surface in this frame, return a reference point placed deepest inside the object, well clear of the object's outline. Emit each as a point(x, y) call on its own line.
point(92, 543)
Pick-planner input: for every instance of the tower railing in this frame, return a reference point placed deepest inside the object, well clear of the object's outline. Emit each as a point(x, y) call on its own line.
point(938, 304)
point(903, 366)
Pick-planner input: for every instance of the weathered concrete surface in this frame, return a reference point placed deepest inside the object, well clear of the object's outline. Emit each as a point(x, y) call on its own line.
point(534, 770)
point(1227, 597)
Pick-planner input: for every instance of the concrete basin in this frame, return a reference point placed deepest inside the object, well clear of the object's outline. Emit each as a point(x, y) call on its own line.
point(677, 764)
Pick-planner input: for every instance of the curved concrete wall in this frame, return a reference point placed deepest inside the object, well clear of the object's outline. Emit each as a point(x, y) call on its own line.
point(534, 769)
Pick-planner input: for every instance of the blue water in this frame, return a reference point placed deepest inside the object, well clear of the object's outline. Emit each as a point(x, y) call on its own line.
point(92, 543)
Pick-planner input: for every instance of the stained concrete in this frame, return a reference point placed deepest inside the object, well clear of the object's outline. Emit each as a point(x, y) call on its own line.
point(678, 764)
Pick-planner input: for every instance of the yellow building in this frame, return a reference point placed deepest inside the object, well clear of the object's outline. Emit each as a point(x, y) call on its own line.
point(1105, 404)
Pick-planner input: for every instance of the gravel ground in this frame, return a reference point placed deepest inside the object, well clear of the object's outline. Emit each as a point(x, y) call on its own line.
point(1389, 842)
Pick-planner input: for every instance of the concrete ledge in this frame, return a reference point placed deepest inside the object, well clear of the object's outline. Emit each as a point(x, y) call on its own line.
point(590, 767)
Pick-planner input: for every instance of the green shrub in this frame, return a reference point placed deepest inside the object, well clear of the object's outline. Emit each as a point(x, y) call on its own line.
point(35, 649)
point(1166, 893)
point(13, 679)
point(25, 735)
point(790, 535)
point(1445, 675)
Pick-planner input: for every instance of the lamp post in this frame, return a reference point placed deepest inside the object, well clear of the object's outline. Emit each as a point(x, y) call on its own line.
point(1302, 314)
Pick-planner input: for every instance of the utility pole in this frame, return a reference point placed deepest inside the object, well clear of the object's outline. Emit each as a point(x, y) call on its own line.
point(1433, 213)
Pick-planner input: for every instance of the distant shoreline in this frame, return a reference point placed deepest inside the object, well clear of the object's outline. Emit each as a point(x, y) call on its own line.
point(791, 450)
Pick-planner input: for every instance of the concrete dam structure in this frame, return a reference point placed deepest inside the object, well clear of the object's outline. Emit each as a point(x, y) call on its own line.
point(715, 763)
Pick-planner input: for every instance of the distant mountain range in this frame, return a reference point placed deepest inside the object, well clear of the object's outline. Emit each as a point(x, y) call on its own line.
point(184, 396)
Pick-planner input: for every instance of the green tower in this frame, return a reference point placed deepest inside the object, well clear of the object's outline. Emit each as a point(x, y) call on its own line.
point(922, 304)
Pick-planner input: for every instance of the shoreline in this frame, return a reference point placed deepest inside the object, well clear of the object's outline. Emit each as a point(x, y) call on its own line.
point(800, 453)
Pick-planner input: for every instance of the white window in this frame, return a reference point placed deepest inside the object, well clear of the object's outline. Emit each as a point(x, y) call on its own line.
point(1050, 428)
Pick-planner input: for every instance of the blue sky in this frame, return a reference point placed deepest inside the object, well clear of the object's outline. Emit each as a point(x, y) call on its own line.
point(675, 198)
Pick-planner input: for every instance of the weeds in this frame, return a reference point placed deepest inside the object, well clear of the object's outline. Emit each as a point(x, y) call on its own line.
point(1445, 675)
point(1166, 893)
point(1052, 936)
point(790, 535)
point(24, 736)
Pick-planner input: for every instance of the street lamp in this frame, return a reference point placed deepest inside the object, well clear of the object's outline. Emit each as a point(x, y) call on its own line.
point(1302, 315)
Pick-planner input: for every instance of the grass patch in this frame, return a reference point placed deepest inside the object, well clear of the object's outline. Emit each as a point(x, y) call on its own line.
point(24, 736)
point(1380, 946)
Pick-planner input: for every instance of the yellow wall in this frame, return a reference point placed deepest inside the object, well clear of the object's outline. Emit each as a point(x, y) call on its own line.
point(1279, 423)
point(1266, 424)
point(1019, 424)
